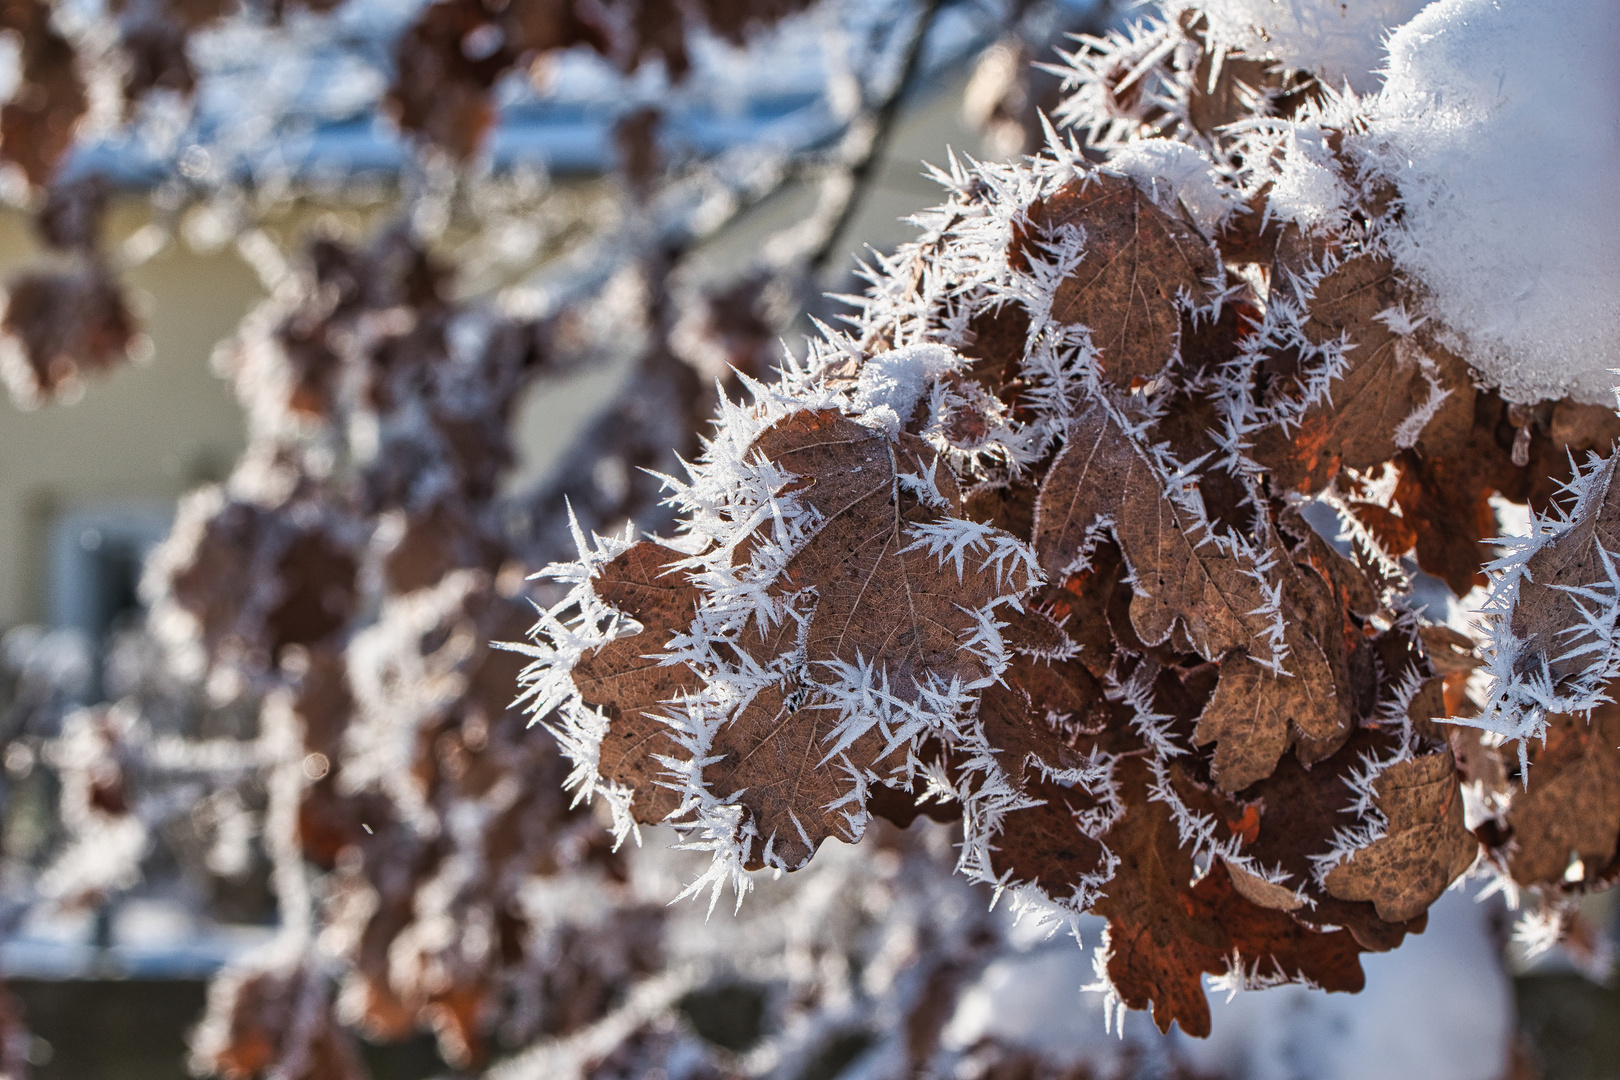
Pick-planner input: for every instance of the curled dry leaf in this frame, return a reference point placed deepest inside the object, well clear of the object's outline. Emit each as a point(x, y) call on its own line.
point(1425, 847)
point(1257, 890)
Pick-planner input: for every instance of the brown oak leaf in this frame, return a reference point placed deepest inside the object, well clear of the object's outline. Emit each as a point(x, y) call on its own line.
point(1080, 602)
point(1052, 715)
point(1088, 483)
point(1256, 713)
point(1164, 932)
point(1547, 619)
point(1044, 844)
point(1300, 810)
point(1138, 264)
point(1446, 513)
point(1189, 424)
point(771, 760)
point(1424, 849)
point(1480, 447)
point(879, 599)
point(67, 326)
point(1563, 430)
point(625, 679)
point(1571, 803)
point(1381, 387)
point(41, 119)
point(995, 347)
point(1180, 574)
point(1055, 713)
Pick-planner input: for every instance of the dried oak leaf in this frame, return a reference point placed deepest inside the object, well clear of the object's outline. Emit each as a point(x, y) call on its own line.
point(65, 326)
point(1138, 267)
point(879, 599)
point(1565, 430)
point(1425, 846)
point(1232, 819)
point(260, 579)
point(900, 805)
point(1352, 587)
point(1381, 387)
point(1547, 620)
point(1188, 425)
point(38, 124)
point(994, 345)
point(1571, 804)
point(1180, 573)
point(773, 760)
point(625, 679)
point(1260, 892)
point(1051, 715)
point(1445, 513)
point(1165, 933)
point(1255, 714)
point(1470, 452)
point(1081, 603)
point(873, 598)
point(1044, 844)
point(448, 61)
point(1232, 93)
point(1301, 809)
point(1010, 507)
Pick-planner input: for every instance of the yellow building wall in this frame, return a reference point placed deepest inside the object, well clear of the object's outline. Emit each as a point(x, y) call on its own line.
point(153, 431)
point(144, 432)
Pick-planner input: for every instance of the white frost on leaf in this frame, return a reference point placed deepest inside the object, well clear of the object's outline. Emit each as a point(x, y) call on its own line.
point(1500, 125)
point(890, 384)
point(1340, 41)
point(1306, 189)
point(1176, 174)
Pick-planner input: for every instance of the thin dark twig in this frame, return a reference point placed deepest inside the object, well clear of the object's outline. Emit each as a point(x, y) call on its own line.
point(863, 171)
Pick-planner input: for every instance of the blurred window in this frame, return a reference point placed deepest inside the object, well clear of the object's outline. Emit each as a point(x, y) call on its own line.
point(97, 552)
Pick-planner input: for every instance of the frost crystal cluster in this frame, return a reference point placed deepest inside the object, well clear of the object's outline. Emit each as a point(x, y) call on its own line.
point(1119, 524)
